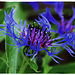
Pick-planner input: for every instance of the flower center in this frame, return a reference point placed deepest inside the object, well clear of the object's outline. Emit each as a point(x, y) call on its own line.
point(37, 34)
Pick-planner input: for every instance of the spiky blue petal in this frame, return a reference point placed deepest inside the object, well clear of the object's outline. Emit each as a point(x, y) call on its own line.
point(49, 16)
point(44, 23)
point(52, 54)
point(59, 8)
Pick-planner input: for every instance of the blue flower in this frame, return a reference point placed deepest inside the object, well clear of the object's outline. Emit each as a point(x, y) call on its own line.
point(58, 7)
point(36, 38)
point(68, 38)
point(63, 25)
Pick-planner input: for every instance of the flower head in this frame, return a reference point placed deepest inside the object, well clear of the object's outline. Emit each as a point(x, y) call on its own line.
point(35, 38)
point(64, 25)
point(65, 39)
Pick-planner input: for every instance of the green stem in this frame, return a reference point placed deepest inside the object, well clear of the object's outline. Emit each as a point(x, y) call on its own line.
point(23, 66)
point(6, 51)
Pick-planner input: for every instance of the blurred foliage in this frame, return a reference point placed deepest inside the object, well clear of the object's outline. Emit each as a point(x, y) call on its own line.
point(67, 68)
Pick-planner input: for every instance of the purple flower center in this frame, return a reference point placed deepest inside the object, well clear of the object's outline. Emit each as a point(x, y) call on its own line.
point(38, 35)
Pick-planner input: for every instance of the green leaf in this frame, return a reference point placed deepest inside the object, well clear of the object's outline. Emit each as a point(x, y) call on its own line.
point(23, 66)
point(29, 70)
point(13, 60)
point(11, 54)
point(3, 62)
point(3, 66)
point(33, 65)
point(46, 61)
point(2, 15)
point(25, 61)
point(67, 68)
point(1, 37)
